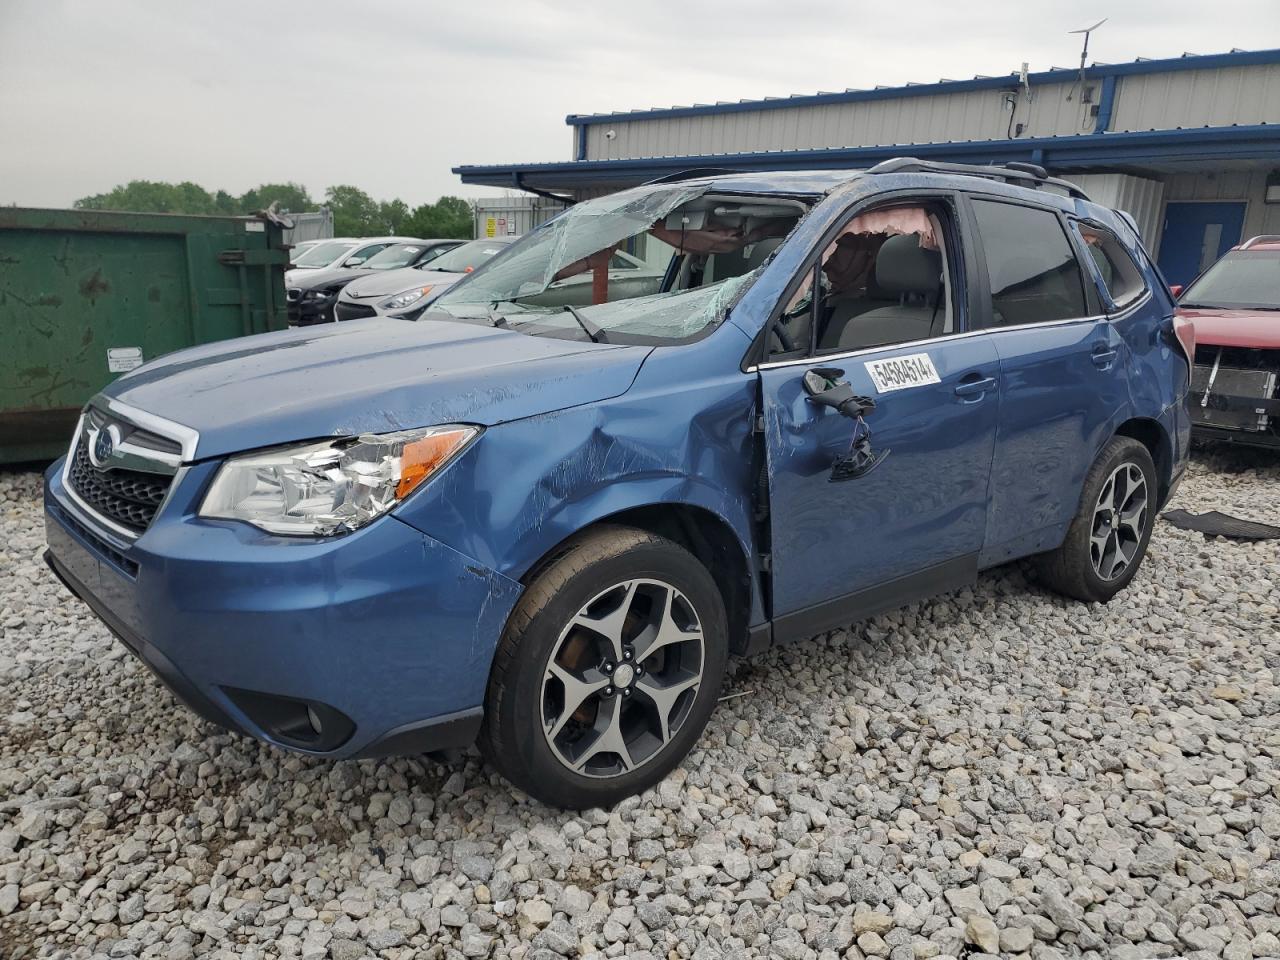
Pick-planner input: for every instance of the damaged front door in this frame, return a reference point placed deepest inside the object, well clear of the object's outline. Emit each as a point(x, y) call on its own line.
point(855, 531)
point(880, 414)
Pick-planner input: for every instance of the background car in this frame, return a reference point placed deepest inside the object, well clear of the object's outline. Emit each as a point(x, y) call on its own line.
point(1234, 307)
point(312, 299)
point(404, 293)
point(301, 247)
point(339, 252)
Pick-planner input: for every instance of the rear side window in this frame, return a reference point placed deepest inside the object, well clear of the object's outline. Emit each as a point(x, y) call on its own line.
point(1119, 273)
point(1034, 274)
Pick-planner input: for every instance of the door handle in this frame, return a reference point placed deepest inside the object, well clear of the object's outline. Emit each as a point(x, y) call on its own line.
point(976, 388)
point(1104, 356)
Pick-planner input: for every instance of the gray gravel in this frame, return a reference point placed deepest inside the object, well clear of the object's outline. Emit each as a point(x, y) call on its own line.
point(994, 772)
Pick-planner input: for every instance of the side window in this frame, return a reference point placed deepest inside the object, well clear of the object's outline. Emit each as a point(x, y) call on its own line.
point(363, 254)
point(884, 279)
point(1034, 274)
point(619, 262)
point(1120, 275)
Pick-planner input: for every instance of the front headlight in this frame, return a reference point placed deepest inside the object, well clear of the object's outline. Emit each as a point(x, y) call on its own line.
point(406, 298)
point(318, 294)
point(337, 486)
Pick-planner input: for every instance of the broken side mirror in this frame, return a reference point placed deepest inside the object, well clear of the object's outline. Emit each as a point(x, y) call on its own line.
point(826, 389)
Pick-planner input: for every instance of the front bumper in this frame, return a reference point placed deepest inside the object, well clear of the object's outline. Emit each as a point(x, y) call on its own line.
point(353, 310)
point(374, 643)
point(1269, 440)
point(304, 313)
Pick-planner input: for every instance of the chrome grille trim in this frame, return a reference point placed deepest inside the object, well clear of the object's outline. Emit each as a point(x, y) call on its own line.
point(148, 444)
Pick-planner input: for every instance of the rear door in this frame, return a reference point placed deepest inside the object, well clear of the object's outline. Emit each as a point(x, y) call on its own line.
point(843, 548)
point(1062, 372)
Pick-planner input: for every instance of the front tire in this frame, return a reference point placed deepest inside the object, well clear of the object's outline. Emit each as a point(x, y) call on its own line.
point(607, 671)
point(1108, 538)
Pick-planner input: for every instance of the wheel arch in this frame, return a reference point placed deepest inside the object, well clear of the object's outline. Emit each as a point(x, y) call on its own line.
point(704, 533)
point(1152, 435)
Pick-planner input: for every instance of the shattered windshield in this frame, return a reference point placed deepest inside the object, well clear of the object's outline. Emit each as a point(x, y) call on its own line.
point(656, 263)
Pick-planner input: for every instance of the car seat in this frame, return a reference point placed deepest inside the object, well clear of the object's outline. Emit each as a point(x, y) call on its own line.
point(912, 277)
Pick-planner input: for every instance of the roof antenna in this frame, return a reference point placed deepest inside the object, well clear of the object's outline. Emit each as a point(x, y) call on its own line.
point(1084, 50)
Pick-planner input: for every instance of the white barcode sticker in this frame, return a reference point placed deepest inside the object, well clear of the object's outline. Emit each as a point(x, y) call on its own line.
point(900, 373)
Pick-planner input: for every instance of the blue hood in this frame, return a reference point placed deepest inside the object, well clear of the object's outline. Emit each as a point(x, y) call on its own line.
point(374, 375)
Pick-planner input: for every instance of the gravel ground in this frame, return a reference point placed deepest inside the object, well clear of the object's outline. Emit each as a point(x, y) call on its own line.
point(996, 771)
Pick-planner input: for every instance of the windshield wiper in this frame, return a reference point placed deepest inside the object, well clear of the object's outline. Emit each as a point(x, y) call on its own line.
point(589, 328)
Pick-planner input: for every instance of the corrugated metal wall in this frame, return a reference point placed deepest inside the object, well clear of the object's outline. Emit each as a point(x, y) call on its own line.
point(316, 225)
point(1141, 198)
point(515, 216)
point(1198, 98)
point(1247, 185)
point(972, 115)
point(1157, 101)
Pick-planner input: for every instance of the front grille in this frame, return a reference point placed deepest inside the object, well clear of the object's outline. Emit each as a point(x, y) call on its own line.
point(134, 435)
point(129, 498)
point(353, 311)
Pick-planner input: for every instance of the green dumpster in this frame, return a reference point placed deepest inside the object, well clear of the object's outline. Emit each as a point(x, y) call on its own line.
point(87, 295)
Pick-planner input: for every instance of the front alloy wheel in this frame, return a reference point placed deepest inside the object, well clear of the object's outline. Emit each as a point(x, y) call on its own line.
point(607, 671)
point(621, 678)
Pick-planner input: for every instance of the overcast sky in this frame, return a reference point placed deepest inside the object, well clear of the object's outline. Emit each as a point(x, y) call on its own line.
point(390, 95)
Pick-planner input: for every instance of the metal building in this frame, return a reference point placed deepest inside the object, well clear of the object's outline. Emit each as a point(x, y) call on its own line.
point(1190, 145)
point(512, 215)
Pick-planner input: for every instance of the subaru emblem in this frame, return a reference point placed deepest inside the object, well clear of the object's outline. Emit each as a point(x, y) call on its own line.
point(104, 445)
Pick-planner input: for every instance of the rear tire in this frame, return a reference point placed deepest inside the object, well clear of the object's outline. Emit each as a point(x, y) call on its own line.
point(607, 671)
point(1108, 538)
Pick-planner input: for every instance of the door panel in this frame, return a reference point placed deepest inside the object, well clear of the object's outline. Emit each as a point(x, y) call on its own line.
point(923, 506)
point(1197, 234)
point(1062, 387)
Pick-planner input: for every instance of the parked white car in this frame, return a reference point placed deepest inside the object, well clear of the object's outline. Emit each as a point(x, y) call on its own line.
point(340, 252)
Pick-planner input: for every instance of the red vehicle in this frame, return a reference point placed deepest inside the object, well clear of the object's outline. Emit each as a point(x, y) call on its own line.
point(1234, 307)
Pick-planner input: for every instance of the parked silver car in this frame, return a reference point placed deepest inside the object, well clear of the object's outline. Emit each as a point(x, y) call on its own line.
point(338, 252)
point(406, 293)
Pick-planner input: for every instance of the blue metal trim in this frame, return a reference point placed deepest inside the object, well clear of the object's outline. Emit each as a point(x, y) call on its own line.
point(1106, 105)
point(1214, 61)
point(580, 134)
point(1061, 153)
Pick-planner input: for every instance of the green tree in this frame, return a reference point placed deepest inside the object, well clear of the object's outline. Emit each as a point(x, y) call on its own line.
point(394, 215)
point(355, 213)
point(225, 203)
point(447, 217)
point(292, 197)
point(151, 196)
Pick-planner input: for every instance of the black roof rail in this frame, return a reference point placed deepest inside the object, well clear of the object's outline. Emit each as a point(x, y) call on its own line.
point(1019, 174)
point(693, 173)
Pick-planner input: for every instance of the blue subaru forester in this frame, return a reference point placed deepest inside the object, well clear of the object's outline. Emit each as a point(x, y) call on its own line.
point(543, 520)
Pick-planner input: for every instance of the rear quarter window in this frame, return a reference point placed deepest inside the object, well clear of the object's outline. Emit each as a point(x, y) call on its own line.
point(1120, 275)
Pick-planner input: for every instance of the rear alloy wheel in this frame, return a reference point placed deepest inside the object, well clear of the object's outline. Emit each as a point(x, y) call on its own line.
point(607, 671)
point(1119, 522)
point(1108, 537)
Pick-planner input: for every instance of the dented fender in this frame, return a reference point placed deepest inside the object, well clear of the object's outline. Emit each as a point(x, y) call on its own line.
point(680, 436)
